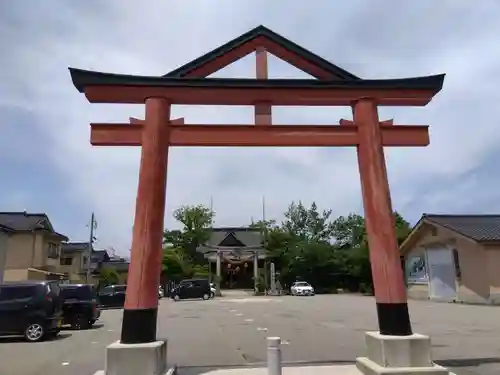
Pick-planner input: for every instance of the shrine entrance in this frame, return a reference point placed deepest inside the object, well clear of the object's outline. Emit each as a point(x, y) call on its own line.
point(237, 255)
point(188, 85)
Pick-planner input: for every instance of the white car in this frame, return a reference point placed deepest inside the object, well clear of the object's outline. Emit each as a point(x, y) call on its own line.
point(301, 288)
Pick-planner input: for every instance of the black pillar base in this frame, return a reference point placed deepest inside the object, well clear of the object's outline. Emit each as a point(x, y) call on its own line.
point(139, 326)
point(394, 319)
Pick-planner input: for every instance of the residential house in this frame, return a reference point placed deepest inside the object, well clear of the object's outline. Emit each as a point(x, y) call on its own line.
point(97, 258)
point(29, 247)
point(74, 261)
point(120, 265)
point(454, 258)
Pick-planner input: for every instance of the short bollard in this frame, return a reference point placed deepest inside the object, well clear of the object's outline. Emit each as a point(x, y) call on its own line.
point(274, 355)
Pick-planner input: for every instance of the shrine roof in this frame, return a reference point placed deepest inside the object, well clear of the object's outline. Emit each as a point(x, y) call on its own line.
point(248, 237)
point(84, 78)
point(262, 32)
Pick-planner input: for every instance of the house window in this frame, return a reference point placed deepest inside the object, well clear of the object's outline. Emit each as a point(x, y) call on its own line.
point(53, 250)
point(456, 262)
point(66, 261)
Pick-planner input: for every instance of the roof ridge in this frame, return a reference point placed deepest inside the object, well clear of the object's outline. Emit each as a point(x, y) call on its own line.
point(256, 32)
point(23, 213)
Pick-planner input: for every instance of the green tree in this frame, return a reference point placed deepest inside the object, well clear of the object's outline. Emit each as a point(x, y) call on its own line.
point(196, 221)
point(107, 276)
point(349, 231)
point(403, 228)
point(308, 224)
point(174, 264)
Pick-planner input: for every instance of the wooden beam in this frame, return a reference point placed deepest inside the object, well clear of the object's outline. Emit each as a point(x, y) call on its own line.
point(304, 96)
point(175, 121)
point(344, 122)
point(258, 136)
point(272, 47)
point(262, 110)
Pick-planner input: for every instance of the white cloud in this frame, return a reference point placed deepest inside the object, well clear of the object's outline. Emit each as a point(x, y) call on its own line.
point(153, 37)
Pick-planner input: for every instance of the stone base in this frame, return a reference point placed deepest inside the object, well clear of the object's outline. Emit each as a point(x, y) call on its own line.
point(136, 359)
point(398, 355)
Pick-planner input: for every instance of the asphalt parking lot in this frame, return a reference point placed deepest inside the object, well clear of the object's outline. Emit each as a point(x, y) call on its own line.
point(231, 331)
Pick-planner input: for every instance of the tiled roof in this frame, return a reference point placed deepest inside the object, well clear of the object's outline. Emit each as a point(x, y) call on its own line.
point(21, 221)
point(247, 236)
point(71, 247)
point(481, 228)
point(99, 256)
point(26, 221)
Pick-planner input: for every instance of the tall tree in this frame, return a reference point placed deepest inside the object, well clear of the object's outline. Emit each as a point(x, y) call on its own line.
point(349, 231)
point(196, 222)
point(403, 228)
point(308, 223)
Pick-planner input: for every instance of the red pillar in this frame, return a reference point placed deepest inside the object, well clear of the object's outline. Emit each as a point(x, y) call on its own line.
point(389, 286)
point(141, 303)
point(263, 110)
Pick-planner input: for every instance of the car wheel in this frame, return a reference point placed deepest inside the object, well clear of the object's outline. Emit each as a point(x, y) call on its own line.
point(206, 296)
point(176, 297)
point(34, 332)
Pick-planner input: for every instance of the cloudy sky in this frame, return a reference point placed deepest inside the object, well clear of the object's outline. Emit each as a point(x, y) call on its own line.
point(47, 164)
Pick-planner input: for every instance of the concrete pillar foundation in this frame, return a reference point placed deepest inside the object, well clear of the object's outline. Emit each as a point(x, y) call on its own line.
point(136, 359)
point(398, 355)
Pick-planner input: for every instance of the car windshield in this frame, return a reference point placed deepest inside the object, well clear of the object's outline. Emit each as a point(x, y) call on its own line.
point(302, 283)
point(80, 293)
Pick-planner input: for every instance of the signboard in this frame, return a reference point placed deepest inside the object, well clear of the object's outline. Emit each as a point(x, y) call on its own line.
point(416, 269)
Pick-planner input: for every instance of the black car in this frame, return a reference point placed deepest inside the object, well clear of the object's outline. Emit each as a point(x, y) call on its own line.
point(32, 309)
point(80, 308)
point(112, 296)
point(192, 288)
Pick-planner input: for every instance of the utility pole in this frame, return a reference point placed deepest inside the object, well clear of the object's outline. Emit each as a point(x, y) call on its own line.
point(264, 241)
point(211, 225)
point(93, 225)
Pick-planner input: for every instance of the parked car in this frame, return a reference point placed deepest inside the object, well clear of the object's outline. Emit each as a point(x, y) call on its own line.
point(112, 296)
point(80, 308)
point(301, 288)
point(213, 290)
point(192, 288)
point(32, 309)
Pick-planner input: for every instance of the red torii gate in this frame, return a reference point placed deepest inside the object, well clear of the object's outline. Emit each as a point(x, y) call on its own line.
point(189, 85)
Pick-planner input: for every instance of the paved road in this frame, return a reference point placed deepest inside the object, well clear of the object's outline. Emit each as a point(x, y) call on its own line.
point(232, 331)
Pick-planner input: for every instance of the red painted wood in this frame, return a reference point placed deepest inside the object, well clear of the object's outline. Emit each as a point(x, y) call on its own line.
point(263, 110)
point(175, 121)
point(345, 122)
point(251, 135)
point(243, 96)
point(384, 252)
point(145, 263)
